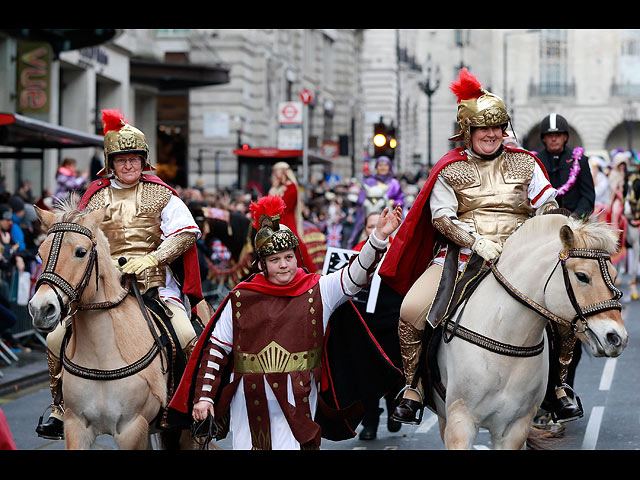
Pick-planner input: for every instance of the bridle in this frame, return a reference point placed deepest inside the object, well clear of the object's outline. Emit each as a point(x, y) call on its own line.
point(582, 313)
point(57, 283)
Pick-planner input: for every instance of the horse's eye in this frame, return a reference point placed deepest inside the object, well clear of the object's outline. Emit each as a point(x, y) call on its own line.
point(583, 277)
point(81, 252)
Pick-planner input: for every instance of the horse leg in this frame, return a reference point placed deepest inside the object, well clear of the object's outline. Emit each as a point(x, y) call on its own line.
point(515, 436)
point(460, 431)
point(77, 434)
point(135, 435)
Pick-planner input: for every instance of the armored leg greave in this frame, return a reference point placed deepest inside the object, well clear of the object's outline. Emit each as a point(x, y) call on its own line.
point(410, 349)
point(408, 410)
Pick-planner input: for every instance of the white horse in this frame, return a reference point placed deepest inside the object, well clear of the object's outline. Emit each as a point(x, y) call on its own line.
point(114, 382)
point(501, 389)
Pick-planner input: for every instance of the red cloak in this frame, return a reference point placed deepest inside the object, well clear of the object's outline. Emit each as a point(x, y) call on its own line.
point(412, 248)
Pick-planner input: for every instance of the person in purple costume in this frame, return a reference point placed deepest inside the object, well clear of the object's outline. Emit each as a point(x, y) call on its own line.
point(378, 191)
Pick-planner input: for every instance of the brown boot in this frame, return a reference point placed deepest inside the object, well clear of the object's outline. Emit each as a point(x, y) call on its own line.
point(53, 428)
point(408, 410)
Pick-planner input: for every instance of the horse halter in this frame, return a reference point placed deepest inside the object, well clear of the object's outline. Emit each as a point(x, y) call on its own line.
point(593, 309)
point(55, 281)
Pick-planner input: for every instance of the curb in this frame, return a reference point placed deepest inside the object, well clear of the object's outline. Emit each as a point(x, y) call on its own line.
point(15, 385)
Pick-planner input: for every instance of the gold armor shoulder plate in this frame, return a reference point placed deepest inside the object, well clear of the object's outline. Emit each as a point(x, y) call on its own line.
point(98, 200)
point(518, 166)
point(461, 173)
point(154, 197)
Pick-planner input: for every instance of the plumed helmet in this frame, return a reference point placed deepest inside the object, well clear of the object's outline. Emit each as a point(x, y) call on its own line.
point(554, 123)
point(272, 237)
point(121, 137)
point(476, 107)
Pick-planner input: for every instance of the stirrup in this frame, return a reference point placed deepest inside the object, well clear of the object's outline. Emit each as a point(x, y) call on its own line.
point(578, 404)
point(419, 409)
point(40, 422)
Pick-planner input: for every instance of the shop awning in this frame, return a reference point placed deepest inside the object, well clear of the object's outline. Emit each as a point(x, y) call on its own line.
point(20, 132)
point(293, 155)
point(267, 153)
point(64, 39)
point(176, 76)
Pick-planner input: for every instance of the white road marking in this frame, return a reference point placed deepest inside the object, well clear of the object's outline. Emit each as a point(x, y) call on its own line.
point(607, 373)
point(593, 429)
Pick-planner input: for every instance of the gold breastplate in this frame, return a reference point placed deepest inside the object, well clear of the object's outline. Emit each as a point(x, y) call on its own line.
point(132, 224)
point(492, 194)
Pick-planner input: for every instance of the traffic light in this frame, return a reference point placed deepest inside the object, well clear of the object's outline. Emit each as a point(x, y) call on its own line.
point(384, 140)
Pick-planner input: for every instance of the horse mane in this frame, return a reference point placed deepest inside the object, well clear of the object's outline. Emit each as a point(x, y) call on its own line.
point(589, 233)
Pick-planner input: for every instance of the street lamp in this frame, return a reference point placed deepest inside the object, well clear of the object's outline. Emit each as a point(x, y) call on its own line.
point(429, 90)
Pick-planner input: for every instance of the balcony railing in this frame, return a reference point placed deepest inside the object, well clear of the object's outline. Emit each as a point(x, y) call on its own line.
point(626, 90)
point(552, 90)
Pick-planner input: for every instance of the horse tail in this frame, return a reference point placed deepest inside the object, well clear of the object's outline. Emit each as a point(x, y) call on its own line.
point(545, 437)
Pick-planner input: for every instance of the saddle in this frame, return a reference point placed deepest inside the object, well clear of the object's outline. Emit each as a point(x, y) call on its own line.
point(454, 290)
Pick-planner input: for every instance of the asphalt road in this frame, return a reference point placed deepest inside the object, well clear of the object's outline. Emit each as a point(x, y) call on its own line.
point(609, 389)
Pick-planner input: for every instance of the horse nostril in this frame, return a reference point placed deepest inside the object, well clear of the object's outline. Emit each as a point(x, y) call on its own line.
point(614, 339)
point(50, 311)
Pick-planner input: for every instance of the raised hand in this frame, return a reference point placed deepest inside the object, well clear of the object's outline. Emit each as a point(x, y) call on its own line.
point(388, 222)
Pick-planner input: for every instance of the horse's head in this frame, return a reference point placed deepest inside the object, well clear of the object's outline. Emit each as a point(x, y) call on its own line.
point(581, 287)
point(69, 255)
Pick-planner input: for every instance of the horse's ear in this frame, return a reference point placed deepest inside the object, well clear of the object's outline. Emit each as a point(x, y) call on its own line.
point(566, 236)
point(97, 216)
point(45, 216)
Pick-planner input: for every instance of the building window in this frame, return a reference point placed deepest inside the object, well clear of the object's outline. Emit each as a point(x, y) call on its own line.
point(553, 63)
point(629, 84)
point(327, 60)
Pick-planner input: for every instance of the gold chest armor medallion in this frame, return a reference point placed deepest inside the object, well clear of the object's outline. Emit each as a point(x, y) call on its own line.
point(492, 194)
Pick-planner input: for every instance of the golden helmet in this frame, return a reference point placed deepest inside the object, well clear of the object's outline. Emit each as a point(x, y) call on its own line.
point(121, 137)
point(272, 237)
point(477, 107)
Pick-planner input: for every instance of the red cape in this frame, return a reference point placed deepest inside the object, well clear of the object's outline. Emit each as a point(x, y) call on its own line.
point(192, 285)
point(412, 248)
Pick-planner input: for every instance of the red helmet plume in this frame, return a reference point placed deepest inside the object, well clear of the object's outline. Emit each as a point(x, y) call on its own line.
point(112, 120)
point(270, 205)
point(466, 86)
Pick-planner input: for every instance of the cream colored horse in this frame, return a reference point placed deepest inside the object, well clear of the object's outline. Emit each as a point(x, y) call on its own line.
point(500, 392)
point(112, 336)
